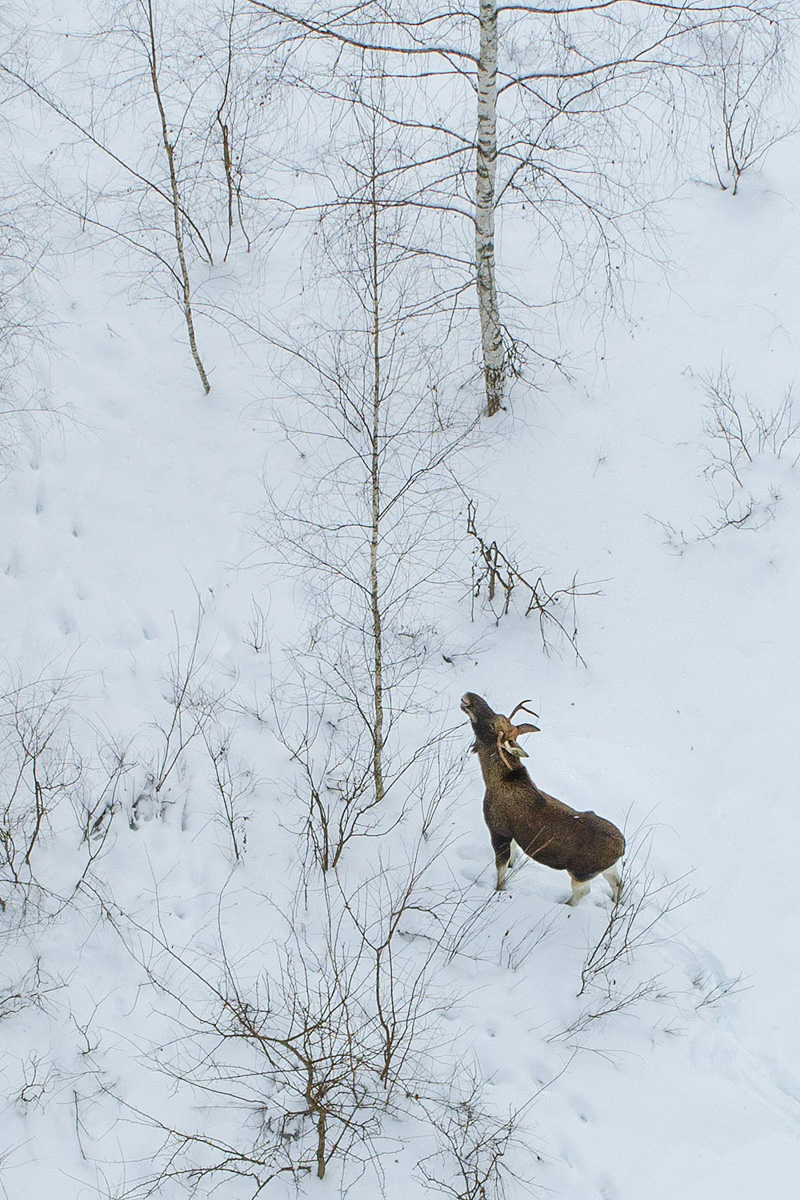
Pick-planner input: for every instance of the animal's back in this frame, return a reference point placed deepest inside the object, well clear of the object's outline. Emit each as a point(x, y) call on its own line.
point(551, 832)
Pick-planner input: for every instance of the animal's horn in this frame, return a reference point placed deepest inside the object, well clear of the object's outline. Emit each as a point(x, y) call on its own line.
point(521, 705)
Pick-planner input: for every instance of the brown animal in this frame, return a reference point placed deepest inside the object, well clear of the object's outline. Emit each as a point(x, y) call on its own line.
point(548, 831)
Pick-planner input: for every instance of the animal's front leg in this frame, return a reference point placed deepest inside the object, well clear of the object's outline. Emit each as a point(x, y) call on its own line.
point(502, 853)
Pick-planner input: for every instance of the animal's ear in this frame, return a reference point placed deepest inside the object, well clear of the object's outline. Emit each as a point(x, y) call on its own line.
point(527, 729)
point(513, 748)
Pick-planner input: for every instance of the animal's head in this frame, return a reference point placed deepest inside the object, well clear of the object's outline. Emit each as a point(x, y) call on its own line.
point(493, 729)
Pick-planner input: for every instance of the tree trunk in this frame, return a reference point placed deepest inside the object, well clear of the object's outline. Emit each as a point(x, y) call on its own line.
point(485, 171)
point(322, 1127)
point(375, 487)
point(169, 150)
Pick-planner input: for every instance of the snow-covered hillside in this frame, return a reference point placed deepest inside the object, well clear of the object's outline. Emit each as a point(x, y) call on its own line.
point(189, 1004)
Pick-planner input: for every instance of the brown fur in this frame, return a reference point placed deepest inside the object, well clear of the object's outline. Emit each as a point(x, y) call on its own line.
point(515, 809)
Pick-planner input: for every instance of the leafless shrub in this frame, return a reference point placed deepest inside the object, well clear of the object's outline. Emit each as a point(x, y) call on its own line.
point(674, 539)
point(233, 783)
point(192, 710)
point(746, 66)
point(637, 919)
point(40, 766)
point(291, 1056)
point(518, 945)
point(257, 628)
point(742, 512)
point(299, 1062)
point(21, 329)
point(743, 440)
point(38, 1077)
point(476, 1147)
point(738, 429)
point(739, 432)
point(334, 781)
point(29, 991)
point(402, 929)
point(717, 992)
point(495, 578)
point(101, 794)
point(334, 786)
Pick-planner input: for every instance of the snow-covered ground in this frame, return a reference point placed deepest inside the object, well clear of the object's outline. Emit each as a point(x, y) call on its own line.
point(130, 540)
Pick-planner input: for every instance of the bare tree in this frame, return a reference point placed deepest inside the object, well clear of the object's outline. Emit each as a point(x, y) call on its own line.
point(554, 130)
point(303, 1054)
point(151, 47)
point(368, 530)
point(164, 144)
point(22, 317)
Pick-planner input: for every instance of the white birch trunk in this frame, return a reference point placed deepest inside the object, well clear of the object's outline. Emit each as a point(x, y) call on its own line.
point(485, 171)
point(169, 149)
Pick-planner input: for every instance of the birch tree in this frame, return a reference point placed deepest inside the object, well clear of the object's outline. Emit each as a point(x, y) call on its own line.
point(153, 110)
point(370, 528)
point(555, 109)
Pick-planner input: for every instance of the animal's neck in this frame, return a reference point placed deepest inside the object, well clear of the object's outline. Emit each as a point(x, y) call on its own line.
point(494, 770)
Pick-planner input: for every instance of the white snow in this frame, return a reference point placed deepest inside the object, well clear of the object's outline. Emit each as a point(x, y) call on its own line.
point(135, 504)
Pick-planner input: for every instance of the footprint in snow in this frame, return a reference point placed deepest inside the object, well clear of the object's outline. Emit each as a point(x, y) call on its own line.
point(65, 623)
point(471, 853)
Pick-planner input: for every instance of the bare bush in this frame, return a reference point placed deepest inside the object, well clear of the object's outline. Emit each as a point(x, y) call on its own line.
point(743, 438)
point(746, 67)
point(739, 429)
point(193, 708)
point(635, 920)
point(717, 991)
point(40, 768)
point(476, 1147)
point(638, 919)
point(744, 441)
point(102, 791)
point(233, 783)
point(496, 577)
point(308, 1056)
point(30, 990)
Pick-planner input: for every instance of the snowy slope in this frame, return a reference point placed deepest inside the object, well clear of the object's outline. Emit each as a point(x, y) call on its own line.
point(138, 506)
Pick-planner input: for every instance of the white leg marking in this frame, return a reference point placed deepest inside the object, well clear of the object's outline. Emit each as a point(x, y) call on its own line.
point(579, 890)
point(514, 854)
point(502, 871)
point(615, 880)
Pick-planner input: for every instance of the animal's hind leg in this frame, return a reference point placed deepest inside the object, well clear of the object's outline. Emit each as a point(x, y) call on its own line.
point(502, 853)
point(514, 853)
point(615, 880)
point(579, 890)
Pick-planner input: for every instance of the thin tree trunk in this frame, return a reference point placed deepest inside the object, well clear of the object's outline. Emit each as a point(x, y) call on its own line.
point(375, 482)
point(485, 171)
point(176, 200)
point(322, 1128)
